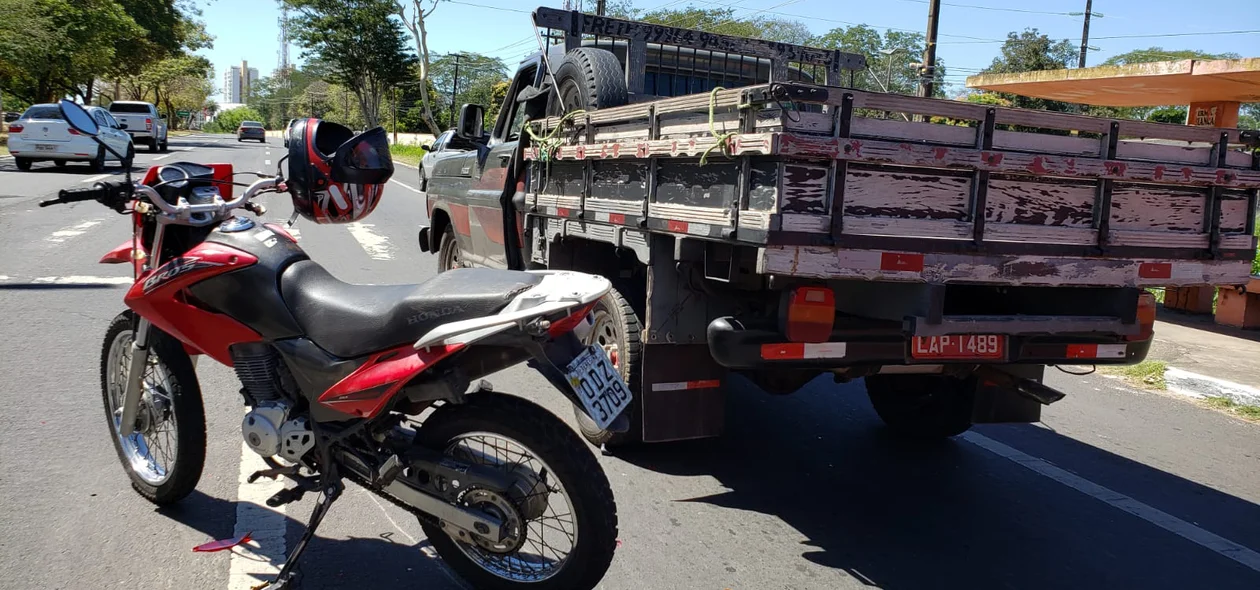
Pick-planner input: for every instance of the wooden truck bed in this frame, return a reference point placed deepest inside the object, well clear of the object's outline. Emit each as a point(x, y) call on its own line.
point(830, 182)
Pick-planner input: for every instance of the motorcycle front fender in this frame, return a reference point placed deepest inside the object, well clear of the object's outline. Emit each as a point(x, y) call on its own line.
point(128, 251)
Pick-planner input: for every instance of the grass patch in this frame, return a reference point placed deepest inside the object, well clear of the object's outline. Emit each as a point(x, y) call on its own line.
point(180, 133)
point(1230, 406)
point(1148, 374)
point(407, 154)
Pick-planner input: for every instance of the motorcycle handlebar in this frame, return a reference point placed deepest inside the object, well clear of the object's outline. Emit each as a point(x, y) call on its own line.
point(111, 193)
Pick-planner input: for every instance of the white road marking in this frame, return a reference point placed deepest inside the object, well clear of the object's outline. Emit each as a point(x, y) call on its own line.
point(183, 149)
point(376, 245)
point(397, 182)
point(1157, 517)
point(96, 178)
point(426, 550)
point(293, 231)
point(82, 280)
point(162, 156)
point(64, 234)
point(261, 558)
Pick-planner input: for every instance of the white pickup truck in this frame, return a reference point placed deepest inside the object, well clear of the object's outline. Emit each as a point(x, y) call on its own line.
point(143, 122)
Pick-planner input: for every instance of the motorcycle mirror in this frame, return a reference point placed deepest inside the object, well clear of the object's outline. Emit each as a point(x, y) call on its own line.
point(78, 118)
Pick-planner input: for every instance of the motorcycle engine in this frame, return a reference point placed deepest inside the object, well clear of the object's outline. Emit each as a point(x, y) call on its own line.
point(269, 428)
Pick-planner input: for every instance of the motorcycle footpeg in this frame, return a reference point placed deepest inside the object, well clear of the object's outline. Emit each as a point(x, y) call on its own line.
point(286, 496)
point(388, 471)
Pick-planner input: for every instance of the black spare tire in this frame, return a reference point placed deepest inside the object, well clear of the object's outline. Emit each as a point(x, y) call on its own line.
point(588, 79)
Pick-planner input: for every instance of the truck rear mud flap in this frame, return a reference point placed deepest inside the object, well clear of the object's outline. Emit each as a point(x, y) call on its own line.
point(736, 344)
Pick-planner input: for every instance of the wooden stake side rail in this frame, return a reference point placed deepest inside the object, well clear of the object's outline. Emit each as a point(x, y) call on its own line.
point(781, 173)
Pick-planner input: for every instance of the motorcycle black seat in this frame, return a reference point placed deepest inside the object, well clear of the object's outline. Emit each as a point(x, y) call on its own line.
point(351, 320)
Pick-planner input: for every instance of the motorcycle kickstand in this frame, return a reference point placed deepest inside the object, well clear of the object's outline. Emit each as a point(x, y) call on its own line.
point(288, 576)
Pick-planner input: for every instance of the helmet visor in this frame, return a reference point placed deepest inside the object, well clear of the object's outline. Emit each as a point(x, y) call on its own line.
point(364, 159)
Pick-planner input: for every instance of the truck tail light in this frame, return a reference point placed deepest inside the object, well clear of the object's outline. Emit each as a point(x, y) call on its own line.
point(811, 312)
point(16, 127)
point(148, 124)
point(1145, 317)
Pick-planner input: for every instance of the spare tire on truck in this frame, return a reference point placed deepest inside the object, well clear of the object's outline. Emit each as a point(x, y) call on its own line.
point(588, 79)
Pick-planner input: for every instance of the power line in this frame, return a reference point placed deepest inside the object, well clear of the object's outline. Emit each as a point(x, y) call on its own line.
point(1143, 36)
point(491, 7)
point(993, 8)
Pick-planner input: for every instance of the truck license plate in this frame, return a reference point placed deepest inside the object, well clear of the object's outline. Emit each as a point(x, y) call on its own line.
point(959, 346)
point(45, 147)
point(598, 384)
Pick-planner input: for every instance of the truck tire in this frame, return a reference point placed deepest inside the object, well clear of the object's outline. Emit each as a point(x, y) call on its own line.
point(588, 79)
point(153, 145)
point(618, 330)
point(923, 407)
point(448, 250)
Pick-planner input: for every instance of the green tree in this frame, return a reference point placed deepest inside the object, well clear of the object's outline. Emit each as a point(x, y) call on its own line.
point(227, 121)
point(413, 15)
point(1152, 54)
point(1168, 115)
point(359, 43)
point(886, 72)
point(1031, 51)
point(723, 21)
point(477, 76)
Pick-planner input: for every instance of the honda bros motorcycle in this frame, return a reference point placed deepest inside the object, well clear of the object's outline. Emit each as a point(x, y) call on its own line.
point(367, 383)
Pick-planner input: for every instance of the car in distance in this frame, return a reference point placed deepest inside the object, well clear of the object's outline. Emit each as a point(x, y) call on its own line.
point(41, 134)
point(143, 121)
point(251, 130)
point(288, 127)
point(441, 146)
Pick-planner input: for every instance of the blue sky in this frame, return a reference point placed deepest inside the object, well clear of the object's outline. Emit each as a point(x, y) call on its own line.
point(247, 29)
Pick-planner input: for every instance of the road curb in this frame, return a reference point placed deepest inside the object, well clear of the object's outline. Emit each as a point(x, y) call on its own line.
point(407, 165)
point(1200, 386)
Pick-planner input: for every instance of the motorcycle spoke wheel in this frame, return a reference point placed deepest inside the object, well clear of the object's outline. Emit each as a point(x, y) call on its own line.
point(539, 557)
point(165, 454)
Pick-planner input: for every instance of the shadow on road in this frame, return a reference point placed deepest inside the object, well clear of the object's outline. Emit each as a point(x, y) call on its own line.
point(386, 562)
point(909, 516)
point(1206, 323)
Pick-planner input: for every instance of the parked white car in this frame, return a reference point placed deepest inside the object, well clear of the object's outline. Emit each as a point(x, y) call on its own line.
point(433, 152)
point(144, 123)
point(40, 134)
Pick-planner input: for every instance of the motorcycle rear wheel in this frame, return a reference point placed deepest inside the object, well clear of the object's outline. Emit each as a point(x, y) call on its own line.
point(165, 457)
point(576, 497)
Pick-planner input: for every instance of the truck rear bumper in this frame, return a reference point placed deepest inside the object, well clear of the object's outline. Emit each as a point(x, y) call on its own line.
point(736, 345)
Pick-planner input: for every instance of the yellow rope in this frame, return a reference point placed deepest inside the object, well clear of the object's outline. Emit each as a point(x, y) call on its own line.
point(723, 139)
point(549, 143)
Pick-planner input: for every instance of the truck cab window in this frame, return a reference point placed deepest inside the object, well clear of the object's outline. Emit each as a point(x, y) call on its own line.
point(515, 110)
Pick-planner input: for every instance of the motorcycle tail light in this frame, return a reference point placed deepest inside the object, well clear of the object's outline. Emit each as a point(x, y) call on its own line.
point(566, 325)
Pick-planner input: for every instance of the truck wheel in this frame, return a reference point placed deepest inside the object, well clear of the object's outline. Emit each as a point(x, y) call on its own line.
point(618, 331)
point(923, 406)
point(448, 251)
point(424, 180)
point(153, 144)
point(589, 79)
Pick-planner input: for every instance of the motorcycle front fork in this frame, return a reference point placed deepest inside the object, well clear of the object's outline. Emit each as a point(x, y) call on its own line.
point(135, 377)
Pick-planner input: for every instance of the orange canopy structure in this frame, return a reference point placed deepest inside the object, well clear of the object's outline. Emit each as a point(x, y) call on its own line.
point(1213, 88)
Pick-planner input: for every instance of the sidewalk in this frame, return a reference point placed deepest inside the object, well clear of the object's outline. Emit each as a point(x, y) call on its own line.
point(1207, 359)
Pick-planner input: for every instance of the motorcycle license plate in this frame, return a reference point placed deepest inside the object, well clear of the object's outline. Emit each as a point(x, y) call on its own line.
point(959, 346)
point(598, 384)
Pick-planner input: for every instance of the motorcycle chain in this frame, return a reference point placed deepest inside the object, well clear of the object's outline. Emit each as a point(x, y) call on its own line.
point(426, 517)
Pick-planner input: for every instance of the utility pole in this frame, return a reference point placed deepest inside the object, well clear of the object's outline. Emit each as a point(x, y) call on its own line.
point(395, 115)
point(1089, 5)
point(455, 88)
point(927, 74)
point(601, 7)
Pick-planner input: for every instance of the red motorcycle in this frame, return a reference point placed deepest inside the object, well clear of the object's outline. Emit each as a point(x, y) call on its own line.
point(370, 383)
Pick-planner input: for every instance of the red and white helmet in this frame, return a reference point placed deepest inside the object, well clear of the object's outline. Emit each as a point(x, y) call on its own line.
point(336, 176)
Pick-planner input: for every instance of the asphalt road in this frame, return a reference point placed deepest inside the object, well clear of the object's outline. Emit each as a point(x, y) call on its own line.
point(1115, 489)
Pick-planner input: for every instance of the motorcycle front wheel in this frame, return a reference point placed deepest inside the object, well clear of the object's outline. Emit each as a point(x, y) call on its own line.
point(560, 512)
point(165, 455)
